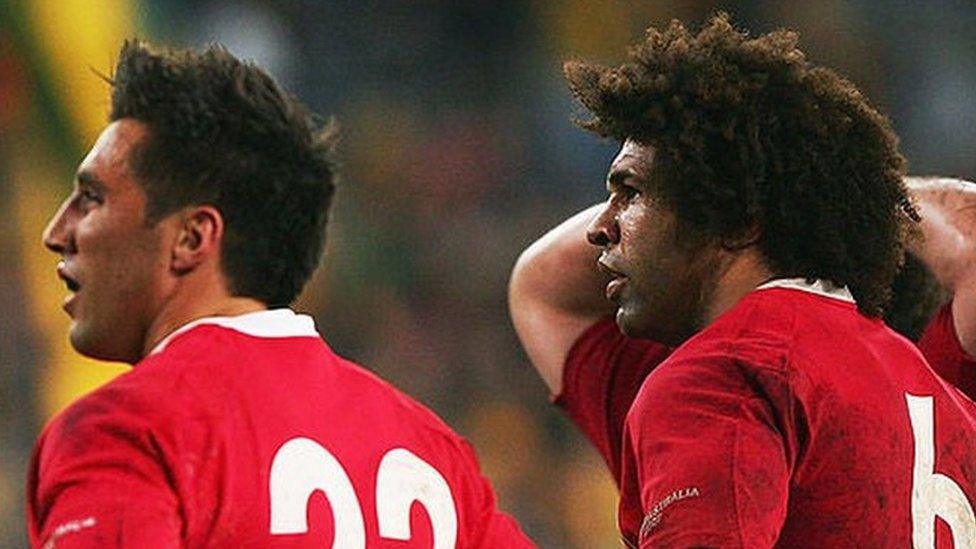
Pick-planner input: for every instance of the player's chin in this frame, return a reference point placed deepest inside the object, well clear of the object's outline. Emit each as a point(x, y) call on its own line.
point(81, 338)
point(630, 321)
point(94, 343)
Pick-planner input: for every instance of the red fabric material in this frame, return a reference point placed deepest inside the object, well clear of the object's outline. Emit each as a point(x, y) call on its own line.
point(785, 423)
point(941, 347)
point(178, 452)
point(603, 372)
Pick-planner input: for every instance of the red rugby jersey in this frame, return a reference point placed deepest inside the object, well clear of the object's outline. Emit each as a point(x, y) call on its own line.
point(250, 432)
point(791, 421)
point(603, 372)
point(940, 345)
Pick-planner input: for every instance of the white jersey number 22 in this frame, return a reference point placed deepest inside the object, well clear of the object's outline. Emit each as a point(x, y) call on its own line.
point(934, 494)
point(301, 466)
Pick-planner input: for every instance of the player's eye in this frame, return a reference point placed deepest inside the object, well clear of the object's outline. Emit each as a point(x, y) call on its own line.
point(622, 195)
point(625, 194)
point(88, 197)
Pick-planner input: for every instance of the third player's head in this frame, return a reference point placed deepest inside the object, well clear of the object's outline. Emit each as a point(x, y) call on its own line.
point(739, 159)
point(210, 182)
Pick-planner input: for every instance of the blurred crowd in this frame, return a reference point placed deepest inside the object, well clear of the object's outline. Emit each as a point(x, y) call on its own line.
point(458, 150)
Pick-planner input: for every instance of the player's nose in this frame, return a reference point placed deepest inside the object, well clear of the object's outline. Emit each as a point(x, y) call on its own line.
point(56, 236)
point(603, 230)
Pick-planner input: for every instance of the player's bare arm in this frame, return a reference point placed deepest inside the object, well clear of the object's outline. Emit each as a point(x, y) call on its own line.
point(948, 245)
point(555, 293)
point(749, 257)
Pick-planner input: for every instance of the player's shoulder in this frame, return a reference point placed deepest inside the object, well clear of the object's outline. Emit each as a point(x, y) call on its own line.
point(757, 330)
point(748, 352)
point(142, 390)
point(153, 393)
point(398, 406)
point(765, 338)
point(771, 326)
point(121, 415)
point(193, 367)
point(205, 344)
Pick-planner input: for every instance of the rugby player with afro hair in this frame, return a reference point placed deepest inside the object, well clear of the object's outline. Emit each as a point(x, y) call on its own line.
point(735, 374)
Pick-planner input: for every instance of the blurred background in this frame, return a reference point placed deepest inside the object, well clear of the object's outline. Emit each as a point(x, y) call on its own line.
point(458, 151)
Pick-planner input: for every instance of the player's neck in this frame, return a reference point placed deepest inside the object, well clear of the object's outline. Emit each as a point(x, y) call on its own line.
point(195, 303)
point(743, 274)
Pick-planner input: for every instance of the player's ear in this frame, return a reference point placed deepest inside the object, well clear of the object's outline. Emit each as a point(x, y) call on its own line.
point(199, 237)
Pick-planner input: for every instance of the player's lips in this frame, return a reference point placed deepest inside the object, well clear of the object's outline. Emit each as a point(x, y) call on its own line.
point(617, 279)
point(71, 282)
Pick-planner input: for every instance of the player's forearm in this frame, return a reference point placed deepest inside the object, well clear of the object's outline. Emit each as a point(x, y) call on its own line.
point(555, 294)
point(948, 245)
point(560, 271)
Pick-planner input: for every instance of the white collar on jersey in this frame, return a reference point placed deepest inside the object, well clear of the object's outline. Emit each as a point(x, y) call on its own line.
point(269, 323)
point(819, 287)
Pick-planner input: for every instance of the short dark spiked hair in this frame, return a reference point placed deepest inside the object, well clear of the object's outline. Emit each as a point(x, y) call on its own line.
point(222, 132)
point(752, 138)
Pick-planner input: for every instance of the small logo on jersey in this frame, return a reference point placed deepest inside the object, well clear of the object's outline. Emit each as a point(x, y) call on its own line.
point(69, 528)
point(653, 518)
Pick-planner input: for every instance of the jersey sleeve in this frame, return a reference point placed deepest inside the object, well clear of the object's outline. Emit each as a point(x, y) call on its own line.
point(709, 456)
point(97, 480)
point(941, 347)
point(603, 372)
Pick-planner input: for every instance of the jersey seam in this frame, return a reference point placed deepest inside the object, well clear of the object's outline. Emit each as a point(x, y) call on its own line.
point(779, 371)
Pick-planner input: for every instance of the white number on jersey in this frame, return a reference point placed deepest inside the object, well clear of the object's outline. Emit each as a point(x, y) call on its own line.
point(934, 494)
point(301, 466)
point(404, 478)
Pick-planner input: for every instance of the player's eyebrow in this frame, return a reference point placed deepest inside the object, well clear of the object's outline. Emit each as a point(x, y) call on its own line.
point(618, 176)
point(89, 179)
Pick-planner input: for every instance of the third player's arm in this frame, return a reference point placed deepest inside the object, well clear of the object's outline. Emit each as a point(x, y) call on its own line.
point(948, 246)
point(555, 294)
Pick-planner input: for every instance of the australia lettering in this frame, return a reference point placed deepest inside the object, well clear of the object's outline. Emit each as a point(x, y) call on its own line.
point(654, 517)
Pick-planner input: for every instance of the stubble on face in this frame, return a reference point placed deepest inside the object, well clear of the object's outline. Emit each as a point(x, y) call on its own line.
point(671, 270)
point(116, 258)
point(673, 282)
